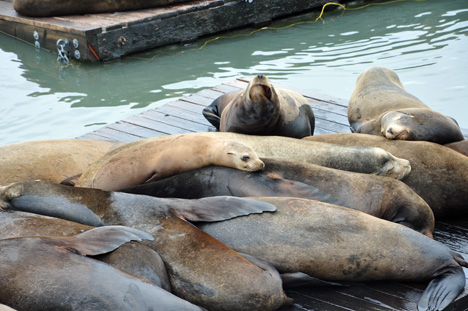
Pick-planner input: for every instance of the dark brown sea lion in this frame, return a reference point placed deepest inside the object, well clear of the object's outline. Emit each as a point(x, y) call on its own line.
point(359, 159)
point(379, 196)
point(202, 270)
point(133, 257)
point(60, 276)
point(459, 146)
point(438, 174)
point(68, 7)
point(380, 105)
point(333, 243)
point(261, 109)
point(152, 159)
point(50, 160)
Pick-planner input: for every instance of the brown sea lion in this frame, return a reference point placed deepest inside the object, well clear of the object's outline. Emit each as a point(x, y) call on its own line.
point(50, 160)
point(148, 159)
point(201, 269)
point(438, 174)
point(333, 243)
point(380, 105)
point(379, 196)
point(359, 159)
point(261, 109)
point(459, 146)
point(54, 273)
point(45, 8)
point(133, 257)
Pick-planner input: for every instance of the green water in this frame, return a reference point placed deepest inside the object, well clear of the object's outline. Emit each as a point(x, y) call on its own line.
point(425, 42)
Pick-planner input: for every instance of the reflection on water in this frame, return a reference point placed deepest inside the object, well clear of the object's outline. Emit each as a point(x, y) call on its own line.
point(424, 41)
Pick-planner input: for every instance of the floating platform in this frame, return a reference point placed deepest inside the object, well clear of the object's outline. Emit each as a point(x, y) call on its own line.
point(107, 37)
point(185, 115)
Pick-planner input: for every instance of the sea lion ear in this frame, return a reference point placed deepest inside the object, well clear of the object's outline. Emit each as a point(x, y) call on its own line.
point(105, 239)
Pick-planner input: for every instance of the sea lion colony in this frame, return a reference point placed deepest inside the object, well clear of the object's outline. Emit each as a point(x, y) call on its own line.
point(304, 202)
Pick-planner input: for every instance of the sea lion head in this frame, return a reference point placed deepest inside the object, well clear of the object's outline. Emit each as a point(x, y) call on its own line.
point(260, 96)
point(242, 157)
point(394, 125)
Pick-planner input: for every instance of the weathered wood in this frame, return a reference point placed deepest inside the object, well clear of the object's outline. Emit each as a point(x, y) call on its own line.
point(113, 35)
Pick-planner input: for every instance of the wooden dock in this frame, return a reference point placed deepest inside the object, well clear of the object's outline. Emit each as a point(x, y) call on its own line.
point(185, 115)
point(109, 36)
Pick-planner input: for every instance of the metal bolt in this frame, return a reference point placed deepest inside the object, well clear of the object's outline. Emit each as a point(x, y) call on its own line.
point(104, 40)
point(121, 41)
point(77, 54)
point(75, 43)
point(105, 51)
point(36, 35)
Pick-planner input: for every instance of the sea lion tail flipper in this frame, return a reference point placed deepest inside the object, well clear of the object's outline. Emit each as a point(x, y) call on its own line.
point(442, 290)
point(105, 239)
point(299, 279)
point(459, 259)
point(220, 208)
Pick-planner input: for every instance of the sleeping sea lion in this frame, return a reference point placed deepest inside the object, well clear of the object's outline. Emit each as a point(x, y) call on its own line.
point(261, 109)
point(50, 160)
point(133, 257)
point(380, 105)
point(333, 243)
point(149, 159)
point(60, 276)
point(379, 196)
point(438, 174)
point(359, 159)
point(201, 269)
point(44, 8)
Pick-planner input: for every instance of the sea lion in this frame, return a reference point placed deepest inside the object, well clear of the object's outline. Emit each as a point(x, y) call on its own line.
point(261, 109)
point(379, 196)
point(334, 243)
point(201, 269)
point(44, 8)
point(148, 159)
point(380, 105)
point(359, 159)
point(459, 146)
point(133, 257)
point(60, 276)
point(438, 174)
point(50, 160)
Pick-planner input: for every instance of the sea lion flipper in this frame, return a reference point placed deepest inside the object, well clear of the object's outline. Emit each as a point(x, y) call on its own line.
point(299, 279)
point(105, 239)
point(442, 290)
point(211, 114)
point(220, 208)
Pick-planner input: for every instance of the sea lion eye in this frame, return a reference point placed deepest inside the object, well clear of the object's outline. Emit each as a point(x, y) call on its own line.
point(245, 158)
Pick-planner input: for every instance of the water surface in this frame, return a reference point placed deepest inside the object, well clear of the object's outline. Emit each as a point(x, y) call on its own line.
point(425, 42)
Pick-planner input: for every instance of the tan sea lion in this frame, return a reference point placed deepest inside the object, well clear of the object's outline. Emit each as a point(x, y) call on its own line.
point(261, 109)
point(148, 159)
point(333, 243)
point(60, 276)
point(201, 269)
point(380, 105)
point(359, 159)
point(459, 146)
point(438, 174)
point(133, 257)
point(50, 160)
point(379, 196)
point(45, 8)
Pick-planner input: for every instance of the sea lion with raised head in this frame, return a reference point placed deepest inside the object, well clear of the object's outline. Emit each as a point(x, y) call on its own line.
point(152, 159)
point(262, 109)
point(61, 276)
point(438, 174)
point(44, 8)
point(133, 257)
point(333, 243)
point(50, 160)
point(380, 105)
point(379, 196)
point(201, 269)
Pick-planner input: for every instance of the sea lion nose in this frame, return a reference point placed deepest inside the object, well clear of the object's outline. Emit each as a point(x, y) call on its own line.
point(260, 76)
